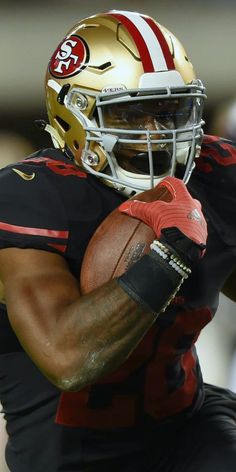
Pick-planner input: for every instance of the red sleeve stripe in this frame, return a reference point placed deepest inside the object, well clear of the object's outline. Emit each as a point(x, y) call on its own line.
point(150, 42)
point(48, 233)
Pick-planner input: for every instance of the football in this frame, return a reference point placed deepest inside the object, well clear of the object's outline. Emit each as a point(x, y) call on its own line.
point(118, 242)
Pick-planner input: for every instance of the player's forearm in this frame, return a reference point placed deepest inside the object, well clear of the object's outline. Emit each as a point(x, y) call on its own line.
point(97, 332)
point(106, 325)
point(102, 328)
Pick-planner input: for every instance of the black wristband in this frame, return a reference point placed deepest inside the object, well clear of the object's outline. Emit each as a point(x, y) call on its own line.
point(152, 281)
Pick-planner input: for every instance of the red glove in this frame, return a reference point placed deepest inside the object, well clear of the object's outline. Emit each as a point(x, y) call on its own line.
point(183, 213)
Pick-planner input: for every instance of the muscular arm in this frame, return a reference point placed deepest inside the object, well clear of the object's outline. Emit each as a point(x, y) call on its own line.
point(72, 339)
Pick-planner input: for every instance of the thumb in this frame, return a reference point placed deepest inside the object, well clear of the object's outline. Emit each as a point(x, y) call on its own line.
point(176, 187)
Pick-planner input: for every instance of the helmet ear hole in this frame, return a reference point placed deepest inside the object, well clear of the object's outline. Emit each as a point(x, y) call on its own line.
point(76, 145)
point(63, 124)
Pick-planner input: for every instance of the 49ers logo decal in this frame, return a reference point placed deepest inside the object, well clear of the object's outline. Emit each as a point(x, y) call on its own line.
point(70, 58)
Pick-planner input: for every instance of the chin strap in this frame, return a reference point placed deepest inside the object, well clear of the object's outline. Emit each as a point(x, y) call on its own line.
point(58, 142)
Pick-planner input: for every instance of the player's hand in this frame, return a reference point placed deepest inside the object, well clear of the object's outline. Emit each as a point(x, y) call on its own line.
point(178, 222)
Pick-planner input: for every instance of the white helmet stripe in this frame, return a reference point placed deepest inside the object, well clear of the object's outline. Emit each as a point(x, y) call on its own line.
point(162, 41)
point(150, 41)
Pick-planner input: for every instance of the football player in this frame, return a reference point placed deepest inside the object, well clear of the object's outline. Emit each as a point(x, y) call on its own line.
point(111, 380)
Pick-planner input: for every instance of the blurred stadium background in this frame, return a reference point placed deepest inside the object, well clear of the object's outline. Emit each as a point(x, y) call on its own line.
point(29, 33)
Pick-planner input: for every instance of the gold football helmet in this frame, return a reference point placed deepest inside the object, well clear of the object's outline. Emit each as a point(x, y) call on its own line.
point(123, 101)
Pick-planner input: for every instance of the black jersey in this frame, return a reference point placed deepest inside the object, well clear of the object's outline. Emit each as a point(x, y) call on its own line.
point(48, 203)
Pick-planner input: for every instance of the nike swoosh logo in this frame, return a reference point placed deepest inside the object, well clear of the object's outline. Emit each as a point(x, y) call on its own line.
point(23, 175)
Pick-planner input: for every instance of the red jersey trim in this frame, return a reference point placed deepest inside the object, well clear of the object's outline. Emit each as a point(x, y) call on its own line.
point(59, 247)
point(58, 167)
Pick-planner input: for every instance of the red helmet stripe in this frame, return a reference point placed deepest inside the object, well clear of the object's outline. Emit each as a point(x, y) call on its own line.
point(150, 41)
point(139, 41)
point(162, 41)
